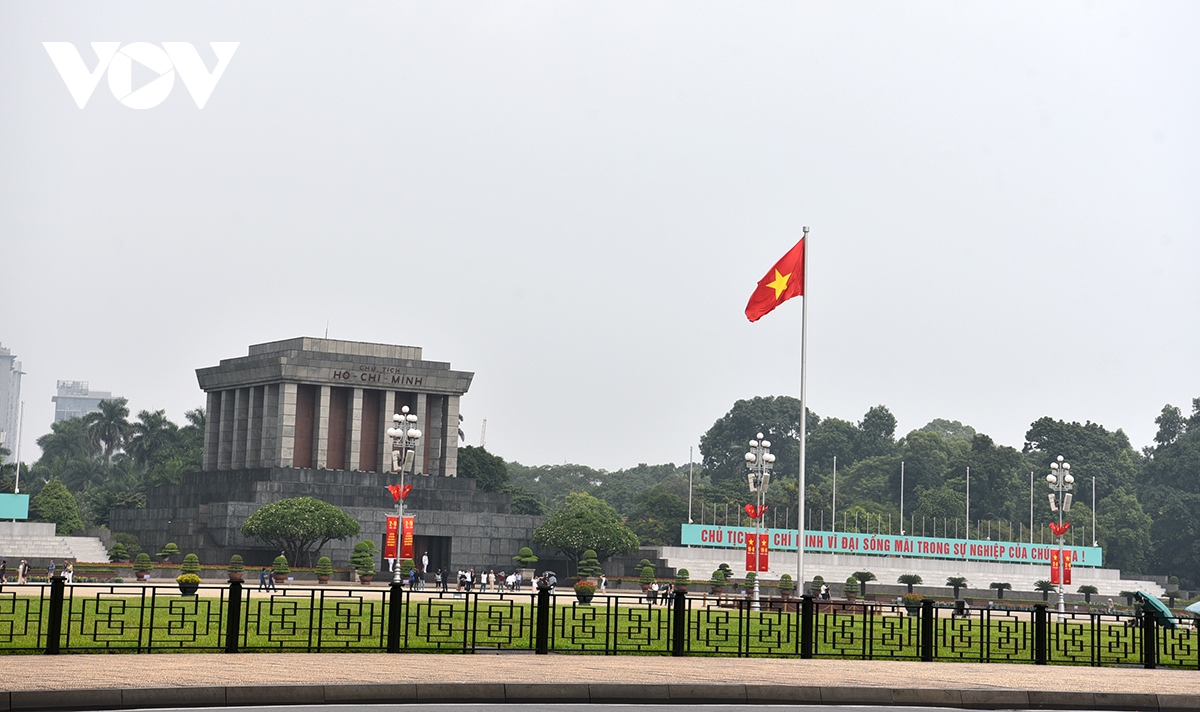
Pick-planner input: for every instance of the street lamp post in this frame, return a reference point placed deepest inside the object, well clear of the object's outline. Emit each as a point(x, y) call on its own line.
point(404, 435)
point(1061, 483)
point(759, 462)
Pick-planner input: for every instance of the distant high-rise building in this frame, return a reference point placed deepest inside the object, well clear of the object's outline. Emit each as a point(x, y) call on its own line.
point(74, 400)
point(10, 400)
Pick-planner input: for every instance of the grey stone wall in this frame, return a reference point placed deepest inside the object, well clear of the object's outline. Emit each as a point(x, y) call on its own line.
point(204, 514)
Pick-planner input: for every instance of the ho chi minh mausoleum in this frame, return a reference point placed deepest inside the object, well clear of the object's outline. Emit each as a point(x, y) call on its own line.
point(307, 417)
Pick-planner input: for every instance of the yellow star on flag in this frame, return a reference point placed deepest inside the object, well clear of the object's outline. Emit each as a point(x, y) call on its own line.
point(780, 284)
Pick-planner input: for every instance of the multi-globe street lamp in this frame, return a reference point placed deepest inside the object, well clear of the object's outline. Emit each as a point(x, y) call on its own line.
point(759, 462)
point(404, 435)
point(1061, 483)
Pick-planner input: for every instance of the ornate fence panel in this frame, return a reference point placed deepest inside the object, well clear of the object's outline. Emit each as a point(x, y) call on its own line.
point(868, 631)
point(313, 620)
point(156, 618)
point(984, 635)
point(23, 618)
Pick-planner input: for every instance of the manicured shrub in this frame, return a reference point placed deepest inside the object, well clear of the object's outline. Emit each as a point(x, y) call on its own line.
point(324, 567)
point(525, 557)
point(168, 551)
point(118, 552)
point(589, 565)
point(236, 566)
point(786, 583)
point(718, 578)
point(281, 565)
point(851, 586)
point(142, 562)
point(683, 577)
point(363, 559)
point(647, 576)
point(191, 564)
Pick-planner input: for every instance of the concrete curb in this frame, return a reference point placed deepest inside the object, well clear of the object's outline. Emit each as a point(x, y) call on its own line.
point(597, 693)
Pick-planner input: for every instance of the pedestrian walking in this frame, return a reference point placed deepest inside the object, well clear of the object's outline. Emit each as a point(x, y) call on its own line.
point(50, 570)
point(69, 572)
point(23, 573)
point(4, 571)
point(652, 594)
point(266, 580)
point(603, 583)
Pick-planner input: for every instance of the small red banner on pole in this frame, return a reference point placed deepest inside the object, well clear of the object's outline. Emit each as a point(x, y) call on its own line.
point(764, 552)
point(1055, 558)
point(751, 554)
point(391, 537)
point(406, 538)
point(1066, 568)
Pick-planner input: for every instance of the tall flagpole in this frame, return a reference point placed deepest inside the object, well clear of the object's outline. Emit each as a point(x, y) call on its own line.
point(803, 424)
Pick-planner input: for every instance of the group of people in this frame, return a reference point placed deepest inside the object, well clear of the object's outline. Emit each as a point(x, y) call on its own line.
point(68, 571)
point(660, 592)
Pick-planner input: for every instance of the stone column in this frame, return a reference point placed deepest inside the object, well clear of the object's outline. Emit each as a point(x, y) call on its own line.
point(450, 438)
point(241, 425)
point(388, 408)
point(423, 448)
point(212, 430)
point(354, 428)
point(321, 459)
point(285, 425)
point(269, 456)
point(225, 446)
point(255, 428)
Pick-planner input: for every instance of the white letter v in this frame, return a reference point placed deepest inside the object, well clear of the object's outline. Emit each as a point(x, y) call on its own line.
point(80, 82)
point(199, 82)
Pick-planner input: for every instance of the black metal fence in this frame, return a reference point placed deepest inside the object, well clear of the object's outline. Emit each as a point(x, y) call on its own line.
point(79, 618)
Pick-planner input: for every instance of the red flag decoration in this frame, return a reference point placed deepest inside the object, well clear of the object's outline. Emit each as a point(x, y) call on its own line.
point(398, 492)
point(755, 512)
point(1059, 529)
point(782, 282)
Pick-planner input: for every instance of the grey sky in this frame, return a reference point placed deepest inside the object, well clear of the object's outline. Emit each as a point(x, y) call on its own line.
point(575, 200)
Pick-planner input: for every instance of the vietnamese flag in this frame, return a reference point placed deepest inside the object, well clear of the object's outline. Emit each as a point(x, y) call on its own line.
point(782, 282)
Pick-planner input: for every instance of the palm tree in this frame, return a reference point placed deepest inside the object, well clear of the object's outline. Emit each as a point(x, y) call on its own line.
point(863, 577)
point(1000, 587)
point(1087, 592)
point(108, 427)
point(150, 435)
point(1045, 587)
point(66, 440)
point(910, 580)
point(956, 582)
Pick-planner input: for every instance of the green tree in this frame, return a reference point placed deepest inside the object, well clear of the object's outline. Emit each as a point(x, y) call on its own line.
point(299, 526)
point(1124, 531)
point(522, 502)
point(489, 471)
point(1088, 591)
point(109, 426)
point(363, 558)
point(723, 447)
point(956, 582)
point(1000, 587)
point(910, 580)
point(67, 440)
point(55, 503)
point(1171, 425)
point(657, 517)
point(950, 430)
point(586, 523)
point(151, 434)
point(863, 577)
point(1045, 587)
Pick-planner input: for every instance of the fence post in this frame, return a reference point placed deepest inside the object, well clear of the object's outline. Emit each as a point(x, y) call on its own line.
point(1041, 633)
point(395, 596)
point(542, 645)
point(233, 623)
point(1149, 638)
point(927, 630)
point(58, 587)
point(679, 626)
point(807, 618)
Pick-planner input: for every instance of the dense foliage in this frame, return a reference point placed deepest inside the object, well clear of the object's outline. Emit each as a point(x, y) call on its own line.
point(586, 523)
point(299, 526)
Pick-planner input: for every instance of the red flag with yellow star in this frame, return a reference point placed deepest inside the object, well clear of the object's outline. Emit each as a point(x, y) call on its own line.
point(784, 281)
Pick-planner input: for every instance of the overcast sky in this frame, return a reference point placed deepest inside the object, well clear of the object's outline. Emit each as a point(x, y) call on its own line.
point(575, 200)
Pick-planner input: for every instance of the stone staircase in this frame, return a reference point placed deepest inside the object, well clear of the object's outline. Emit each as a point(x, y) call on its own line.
point(37, 542)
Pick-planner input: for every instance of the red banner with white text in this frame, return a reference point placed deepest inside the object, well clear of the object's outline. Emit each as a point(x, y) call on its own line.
point(1066, 568)
point(1055, 559)
point(406, 538)
point(391, 537)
